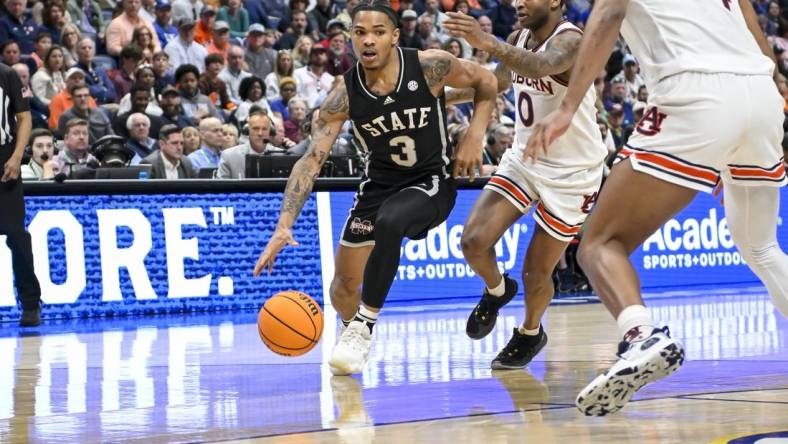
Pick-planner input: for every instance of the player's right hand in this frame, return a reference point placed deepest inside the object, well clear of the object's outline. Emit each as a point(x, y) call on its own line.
point(281, 238)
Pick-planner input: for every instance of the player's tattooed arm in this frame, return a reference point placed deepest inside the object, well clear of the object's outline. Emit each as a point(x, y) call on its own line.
point(464, 95)
point(435, 67)
point(326, 127)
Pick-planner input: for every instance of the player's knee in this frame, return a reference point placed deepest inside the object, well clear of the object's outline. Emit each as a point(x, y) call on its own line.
point(537, 279)
point(473, 242)
point(343, 287)
point(587, 253)
point(388, 224)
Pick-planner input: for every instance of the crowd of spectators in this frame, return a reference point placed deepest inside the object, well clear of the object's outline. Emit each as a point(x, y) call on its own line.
point(199, 84)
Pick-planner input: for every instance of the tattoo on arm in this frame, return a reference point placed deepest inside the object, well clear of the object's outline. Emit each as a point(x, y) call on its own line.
point(504, 76)
point(455, 96)
point(435, 69)
point(557, 58)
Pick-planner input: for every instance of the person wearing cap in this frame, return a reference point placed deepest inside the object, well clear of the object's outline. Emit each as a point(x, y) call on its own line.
point(203, 30)
point(121, 29)
point(98, 122)
point(259, 59)
point(631, 78)
point(314, 82)
point(236, 16)
point(408, 37)
point(233, 73)
point(172, 111)
point(184, 50)
point(182, 9)
point(334, 26)
point(163, 26)
point(287, 90)
point(62, 100)
point(220, 43)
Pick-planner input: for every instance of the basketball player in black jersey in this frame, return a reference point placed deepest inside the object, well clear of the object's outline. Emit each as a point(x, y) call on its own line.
point(394, 99)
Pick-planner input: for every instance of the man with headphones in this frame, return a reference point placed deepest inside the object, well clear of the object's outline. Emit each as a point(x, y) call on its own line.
point(41, 152)
point(14, 134)
point(499, 139)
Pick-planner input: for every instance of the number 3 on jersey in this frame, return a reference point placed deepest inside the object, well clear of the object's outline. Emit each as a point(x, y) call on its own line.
point(407, 156)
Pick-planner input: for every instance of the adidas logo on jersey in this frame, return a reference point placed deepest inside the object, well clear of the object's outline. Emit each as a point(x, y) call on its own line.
point(388, 100)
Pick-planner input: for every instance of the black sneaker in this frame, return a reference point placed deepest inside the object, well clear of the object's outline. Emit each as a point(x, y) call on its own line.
point(30, 317)
point(520, 350)
point(482, 319)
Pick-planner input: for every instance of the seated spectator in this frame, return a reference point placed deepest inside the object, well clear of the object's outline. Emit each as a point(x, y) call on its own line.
point(313, 81)
point(74, 156)
point(138, 126)
point(252, 92)
point(212, 86)
point(300, 52)
point(620, 129)
point(204, 28)
point(195, 105)
point(618, 95)
point(144, 76)
point(120, 31)
point(123, 77)
point(432, 9)
point(296, 108)
point(319, 16)
point(142, 38)
point(69, 39)
point(49, 80)
point(184, 50)
point(18, 25)
point(278, 139)
point(165, 31)
point(233, 74)
point(172, 112)
point(209, 153)
point(87, 15)
point(284, 68)
point(182, 9)
point(426, 28)
point(503, 18)
point(486, 26)
point(339, 59)
point(54, 19)
point(630, 77)
point(42, 156)
point(140, 100)
point(98, 122)
point(229, 136)
point(236, 16)
point(161, 68)
point(334, 26)
point(260, 60)
point(287, 90)
point(191, 140)
point(11, 53)
point(43, 43)
point(502, 137)
point(643, 94)
point(298, 29)
point(285, 20)
point(432, 43)
point(63, 101)
point(484, 58)
point(220, 43)
point(38, 110)
point(169, 161)
point(408, 37)
point(101, 87)
point(233, 160)
point(454, 47)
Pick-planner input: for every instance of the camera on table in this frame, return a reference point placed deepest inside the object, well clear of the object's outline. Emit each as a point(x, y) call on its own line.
point(111, 152)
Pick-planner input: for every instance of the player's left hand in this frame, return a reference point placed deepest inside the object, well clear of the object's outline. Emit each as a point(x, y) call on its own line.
point(468, 157)
point(553, 126)
point(11, 169)
point(466, 27)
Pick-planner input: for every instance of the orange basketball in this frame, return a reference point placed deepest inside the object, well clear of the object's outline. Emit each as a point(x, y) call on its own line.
point(290, 323)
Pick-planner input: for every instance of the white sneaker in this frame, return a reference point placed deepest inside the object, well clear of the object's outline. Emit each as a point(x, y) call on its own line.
point(350, 353)
point(639, 363)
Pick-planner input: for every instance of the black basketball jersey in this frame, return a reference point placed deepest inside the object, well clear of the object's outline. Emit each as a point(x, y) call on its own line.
point(403, 133)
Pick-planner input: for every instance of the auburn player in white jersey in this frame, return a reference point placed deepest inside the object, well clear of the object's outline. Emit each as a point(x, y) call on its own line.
point(714, 113)
point(560, 187)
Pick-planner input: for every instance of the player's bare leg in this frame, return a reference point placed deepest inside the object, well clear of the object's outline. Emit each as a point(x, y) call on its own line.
point(345, 289)
point(622, 220)
point(490, 217)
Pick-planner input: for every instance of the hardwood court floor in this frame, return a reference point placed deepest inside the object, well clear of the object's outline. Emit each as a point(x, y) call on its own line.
point(208, 378)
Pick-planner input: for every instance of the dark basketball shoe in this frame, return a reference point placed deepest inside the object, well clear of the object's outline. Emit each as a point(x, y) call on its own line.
point(482, 319)
point(30, 317)
point(520, 350)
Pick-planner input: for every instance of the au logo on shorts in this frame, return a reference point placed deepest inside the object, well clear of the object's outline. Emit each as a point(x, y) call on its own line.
point(413, 85)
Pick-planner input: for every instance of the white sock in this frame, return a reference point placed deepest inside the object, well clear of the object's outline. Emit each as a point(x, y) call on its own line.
point(527, 332)
point(635, 323)
point(367, 316)
point(499, 289)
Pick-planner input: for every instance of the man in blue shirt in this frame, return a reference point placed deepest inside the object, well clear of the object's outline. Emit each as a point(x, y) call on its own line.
point(209, 154)
point(17, 25)
point(101, 87)
point(163, 26)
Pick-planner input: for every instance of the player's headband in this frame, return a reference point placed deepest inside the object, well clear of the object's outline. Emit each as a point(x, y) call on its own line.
point(377, 7)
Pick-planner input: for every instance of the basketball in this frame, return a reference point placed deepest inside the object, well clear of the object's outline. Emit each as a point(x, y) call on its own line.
point(290, 323)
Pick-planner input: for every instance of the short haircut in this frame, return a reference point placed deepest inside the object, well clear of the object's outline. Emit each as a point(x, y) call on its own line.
point(39, 132)
point(73, 88)
point(138, 87)
point(8, 43)
point(214, 58)
point(296, 99)
point(382, 6)
point(74, 122)
point(131, 52)
point(43, 35)
point(186, 69)
point(130, 119)
point(167, 130)
point(161, 54)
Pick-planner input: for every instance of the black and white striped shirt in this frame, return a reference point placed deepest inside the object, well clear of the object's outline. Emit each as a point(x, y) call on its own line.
point(11, 103)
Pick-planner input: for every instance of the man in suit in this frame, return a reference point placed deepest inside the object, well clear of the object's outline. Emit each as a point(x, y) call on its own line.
point(232, 164)
point(169, 162)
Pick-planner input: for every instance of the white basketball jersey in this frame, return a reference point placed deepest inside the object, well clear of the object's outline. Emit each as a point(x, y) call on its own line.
point(581, 147)
point(708, 36)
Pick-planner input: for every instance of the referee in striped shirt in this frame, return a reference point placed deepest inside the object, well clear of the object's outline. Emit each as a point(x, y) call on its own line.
point(15, 127)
